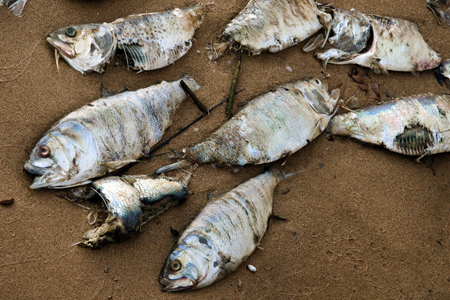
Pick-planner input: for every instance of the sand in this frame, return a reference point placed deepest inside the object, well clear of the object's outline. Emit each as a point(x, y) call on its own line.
point(369, 224)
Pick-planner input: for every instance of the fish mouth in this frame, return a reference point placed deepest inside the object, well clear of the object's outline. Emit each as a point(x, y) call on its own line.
point(63, 47)
point(170, 285)
point(29, 167)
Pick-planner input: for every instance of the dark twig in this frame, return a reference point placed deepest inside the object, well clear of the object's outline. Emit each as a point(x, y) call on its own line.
point(190, 93)
point(233, 86)
point(189, 125)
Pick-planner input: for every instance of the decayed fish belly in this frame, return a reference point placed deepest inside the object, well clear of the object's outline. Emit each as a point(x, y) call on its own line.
point(271, 126)
point(131, 202)
point(268, 25)
point(105, 135)
point(150, 41)
point(393, 44)
point(415, 125)
point(222, 236)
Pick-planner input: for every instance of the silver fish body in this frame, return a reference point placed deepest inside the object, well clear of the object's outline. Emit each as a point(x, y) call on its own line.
point(415, 125)
point(150, 41)
point(132, 201)
point(268, 25)
point(105, 135)
point(271, 126)
point(222, 236)
point(16, 6)
point(376, 42)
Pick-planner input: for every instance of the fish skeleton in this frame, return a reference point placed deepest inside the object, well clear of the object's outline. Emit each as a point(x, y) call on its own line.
point(105, 135)
point(376, 42)
point(415, 125)
point(270, 127)
point(268, 25)
point(152, 40)
point(131, 202)
point(222, 236)
point(16, 6)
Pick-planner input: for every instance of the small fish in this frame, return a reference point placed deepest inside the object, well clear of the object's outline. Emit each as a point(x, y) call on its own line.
point(268, 25)
point(441, 10)
point(222, 236)
point(415, 125)
point(444, 68)
point(16, 6)
point(270, 127)
point(151, 41)
point(376, 42)
point(105, 135)
point(131, 202)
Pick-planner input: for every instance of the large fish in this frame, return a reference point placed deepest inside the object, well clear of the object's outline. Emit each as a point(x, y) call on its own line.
point(415, 125)
point(222, 236)
point(269, 25)
point(270, 127)
point(16, 6)
point(380, 43)
point(131, 201)
point(105, 135)
point(151, 41)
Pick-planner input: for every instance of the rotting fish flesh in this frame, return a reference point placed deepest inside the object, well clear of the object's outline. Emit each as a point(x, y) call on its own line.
point(270, 127)
point(441, 10)
point(376, 42)
point(151, 40)
point(415, 125)
point(16, 6)
point(105, 135)
point(268, 25)
point(131, 202)
point(222, 236)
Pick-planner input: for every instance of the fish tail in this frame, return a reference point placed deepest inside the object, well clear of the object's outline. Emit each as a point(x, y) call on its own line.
point(174, 166)
point(218, 47)
point(17, 7)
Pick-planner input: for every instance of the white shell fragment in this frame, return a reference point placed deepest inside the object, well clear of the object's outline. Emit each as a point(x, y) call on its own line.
point(268, 25)
point(251, 268)
point(105, 135)
point(150, 41)
point(415, 125)
point(376, 42)
point(222, 236)
point(131, 202)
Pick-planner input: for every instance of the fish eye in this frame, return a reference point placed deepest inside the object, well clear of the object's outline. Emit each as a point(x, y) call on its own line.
point(70, 32)
point(318, 81)
point(175, 265)
point(44, 151)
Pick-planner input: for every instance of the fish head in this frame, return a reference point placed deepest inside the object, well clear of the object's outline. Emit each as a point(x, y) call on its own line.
point(85, 47)
point(193, 263)
point(315, 92)
point(64, 157)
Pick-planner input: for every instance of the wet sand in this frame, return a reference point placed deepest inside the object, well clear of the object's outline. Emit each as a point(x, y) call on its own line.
point(369, 224)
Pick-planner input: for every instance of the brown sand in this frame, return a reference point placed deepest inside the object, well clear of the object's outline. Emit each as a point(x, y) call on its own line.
point(369, 224)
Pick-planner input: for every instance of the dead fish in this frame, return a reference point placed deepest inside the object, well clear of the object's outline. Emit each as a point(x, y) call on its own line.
point(105, 135)
point(441, 10)
point(268, 25)
point(444, 68)
point(131, 202)
point(415, 125)
point(376, 42)
point(16, 6)
point(222, 236)
point(270, 127)
point(151, 41)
